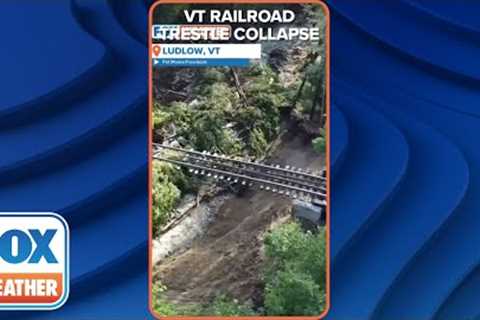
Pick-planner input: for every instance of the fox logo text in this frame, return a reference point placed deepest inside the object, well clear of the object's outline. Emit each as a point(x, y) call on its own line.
point(34, 261)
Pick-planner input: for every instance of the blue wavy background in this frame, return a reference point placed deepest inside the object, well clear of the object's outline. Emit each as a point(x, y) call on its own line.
point(405, 151)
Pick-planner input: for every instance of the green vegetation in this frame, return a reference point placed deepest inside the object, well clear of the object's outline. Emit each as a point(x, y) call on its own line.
point(224, 118)
point(310, 98)
point(218, 120)
point(167, 183)
point(239, 112)
point(295, 274)
point(160, 305)
point(319, 143)
point(294, 279)
point(226, 306)
point(222, 305)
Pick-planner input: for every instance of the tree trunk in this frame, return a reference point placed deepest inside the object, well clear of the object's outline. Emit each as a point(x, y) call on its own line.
point(299, 92)
point(239, 86)
point(318, 90)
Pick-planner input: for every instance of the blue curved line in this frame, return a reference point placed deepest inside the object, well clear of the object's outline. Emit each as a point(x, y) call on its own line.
point(420, 62)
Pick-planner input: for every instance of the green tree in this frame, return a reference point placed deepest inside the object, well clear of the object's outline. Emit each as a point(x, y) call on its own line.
point(295, 271)
point(292, 294)
point(166, 184)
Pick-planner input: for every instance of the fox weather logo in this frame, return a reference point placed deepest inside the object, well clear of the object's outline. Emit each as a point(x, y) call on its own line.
point(34, 261)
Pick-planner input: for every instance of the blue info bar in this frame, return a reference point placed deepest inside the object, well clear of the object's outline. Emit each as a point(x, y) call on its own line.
point(161, 63)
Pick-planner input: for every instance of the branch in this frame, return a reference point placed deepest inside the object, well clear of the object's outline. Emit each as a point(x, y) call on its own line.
point(239, 86)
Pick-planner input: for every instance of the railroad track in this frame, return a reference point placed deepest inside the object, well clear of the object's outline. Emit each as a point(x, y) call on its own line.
point(284, 180)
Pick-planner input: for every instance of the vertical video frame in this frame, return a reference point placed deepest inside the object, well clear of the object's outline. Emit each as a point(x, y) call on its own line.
point(239, 167)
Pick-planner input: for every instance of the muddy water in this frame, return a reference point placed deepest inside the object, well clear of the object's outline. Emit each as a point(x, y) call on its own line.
point(227, 258)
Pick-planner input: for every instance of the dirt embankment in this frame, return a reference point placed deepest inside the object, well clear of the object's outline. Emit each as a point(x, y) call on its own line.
point(228, 258)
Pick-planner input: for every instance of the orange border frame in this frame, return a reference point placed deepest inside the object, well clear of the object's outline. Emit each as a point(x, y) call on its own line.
point(150, 105)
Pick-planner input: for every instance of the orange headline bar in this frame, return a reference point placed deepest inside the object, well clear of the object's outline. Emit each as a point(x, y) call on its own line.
point(30, 287)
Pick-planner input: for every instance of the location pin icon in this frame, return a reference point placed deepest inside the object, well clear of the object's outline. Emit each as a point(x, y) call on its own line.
point(156, 50)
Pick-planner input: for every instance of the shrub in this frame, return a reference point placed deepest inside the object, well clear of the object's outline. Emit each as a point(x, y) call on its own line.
point(225, 306)
point(293, 293)
point(208, 132)
point(258, 142)
point(160, 305)
point(181, 115)
point(166, 181)
point(295, 271)
point(219, 97)
point(160, 118)
point(222, 305)
point(177, 115)
point(319, 143)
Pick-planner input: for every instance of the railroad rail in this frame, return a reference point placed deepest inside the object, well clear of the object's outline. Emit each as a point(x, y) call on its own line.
point(284, 180)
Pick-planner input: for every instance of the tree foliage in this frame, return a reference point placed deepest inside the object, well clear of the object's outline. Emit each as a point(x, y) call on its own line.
point(219, 120)
point(167, 181)
point(293, 294)
point(320, 142)
point(258, 142)
point(221, 117)
point(312, 91)
point(223, 306)
point(295, 271)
